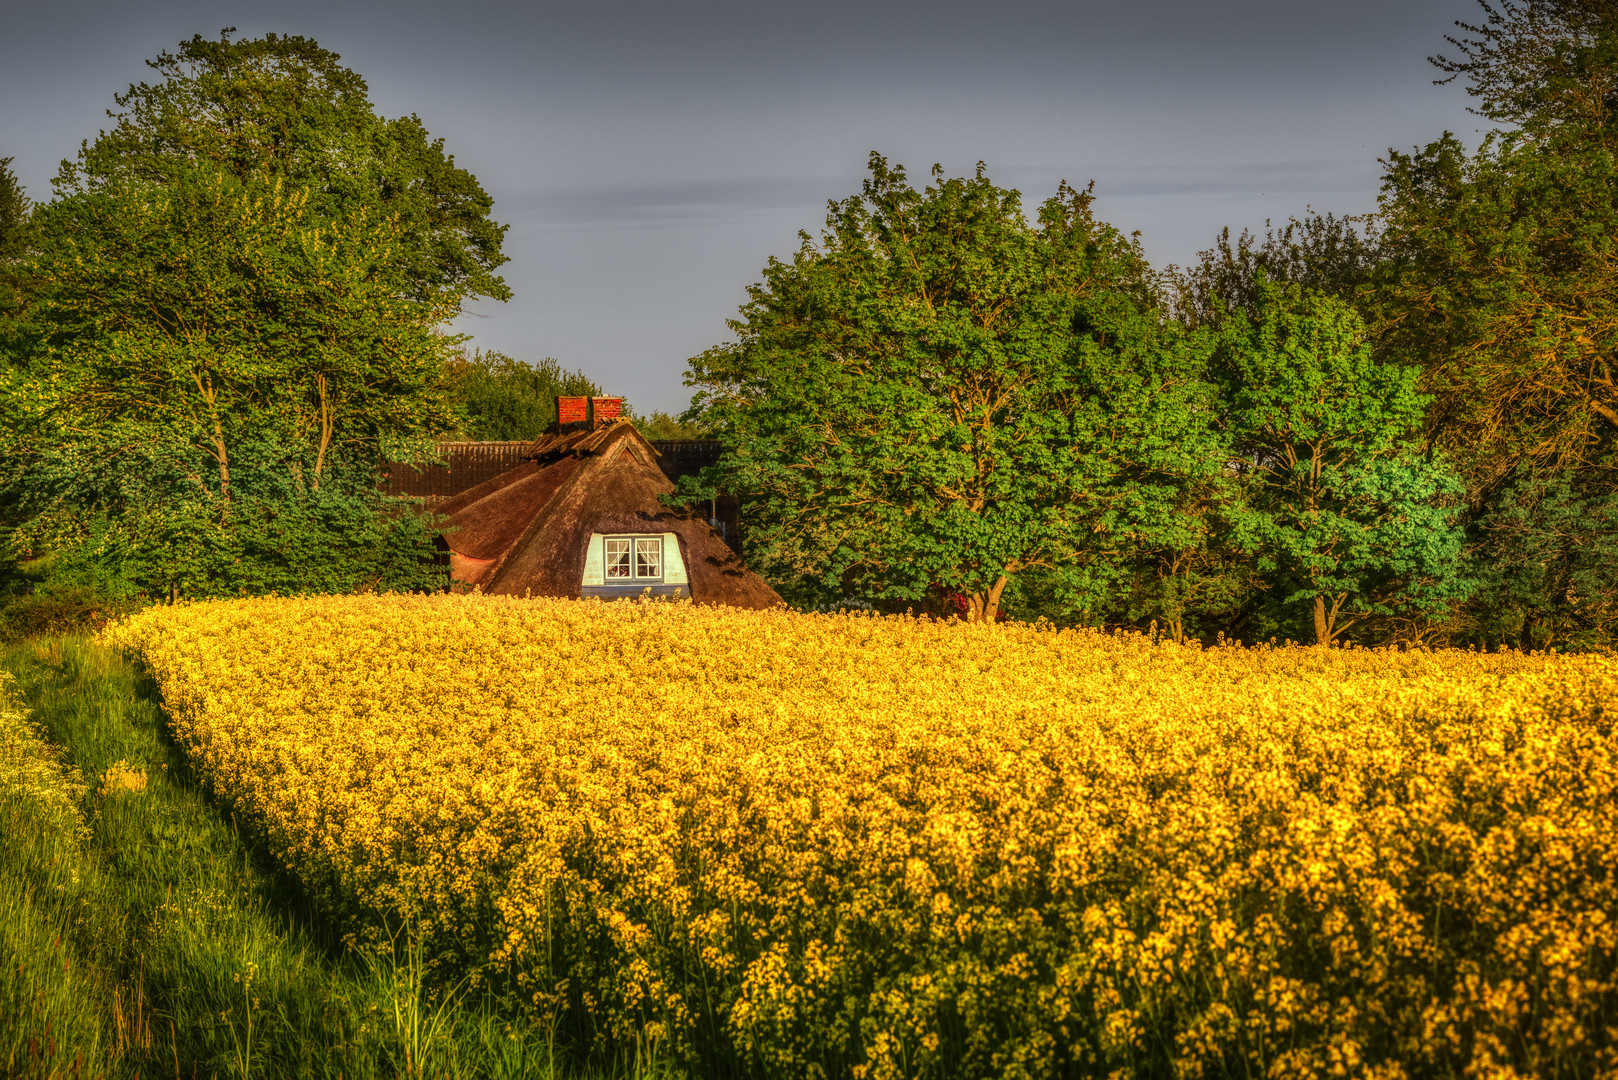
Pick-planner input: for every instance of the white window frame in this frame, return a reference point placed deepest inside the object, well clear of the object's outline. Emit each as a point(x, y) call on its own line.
point(610, 558)
point(633, 552)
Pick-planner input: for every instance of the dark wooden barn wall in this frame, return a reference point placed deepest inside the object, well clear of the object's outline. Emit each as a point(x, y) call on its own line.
point(467, 464)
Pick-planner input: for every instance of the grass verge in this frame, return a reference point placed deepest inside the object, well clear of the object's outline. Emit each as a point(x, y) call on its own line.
point(139, 935)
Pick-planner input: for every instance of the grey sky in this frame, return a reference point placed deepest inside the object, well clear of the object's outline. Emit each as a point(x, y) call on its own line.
point(650, 157)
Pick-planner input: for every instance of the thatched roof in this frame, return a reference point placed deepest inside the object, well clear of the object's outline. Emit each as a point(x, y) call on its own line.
point(527, 531)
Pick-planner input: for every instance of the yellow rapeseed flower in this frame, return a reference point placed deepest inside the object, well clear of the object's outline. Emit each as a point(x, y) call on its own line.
point(881, 847)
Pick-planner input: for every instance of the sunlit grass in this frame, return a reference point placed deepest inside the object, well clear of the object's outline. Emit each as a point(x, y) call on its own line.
point(140, 934)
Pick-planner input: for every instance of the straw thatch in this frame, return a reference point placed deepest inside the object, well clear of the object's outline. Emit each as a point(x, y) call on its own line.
point(528, 530)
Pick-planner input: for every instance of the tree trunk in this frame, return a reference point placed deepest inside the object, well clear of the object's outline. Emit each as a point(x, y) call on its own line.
point(222, 454)
point(326, 426)
point(1322, 623)
point(991, 610)
point(985, 606)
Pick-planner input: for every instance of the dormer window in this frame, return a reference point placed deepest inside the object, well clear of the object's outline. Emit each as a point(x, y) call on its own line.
point(616, 565)
point(631, 559)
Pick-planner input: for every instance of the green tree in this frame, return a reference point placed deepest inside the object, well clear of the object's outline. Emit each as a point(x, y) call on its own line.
point(1498, 279)
point(1189, 577)
point(109, 529)
point(662, 425)
point(504, 399)
point(940, 394)
point(283, 108)
point(1545, 541)
point(234, 303)
point(1341, 508)
point(15, 211)
point(1501, 277)
point(1324, 253)
point(1546, 67)
point(14, 208)
point(207, 313)
point(1504, 282)
point(209, 381)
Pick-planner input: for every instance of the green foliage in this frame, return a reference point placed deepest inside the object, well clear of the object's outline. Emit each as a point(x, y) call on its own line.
point(941, 395)
point(1341, 507)
point(1505, 285)
point(15, 211)
point(55, 607)
point(1547, 66)
point(1498, 280)
point(1326, 254)
point(43, 874)
point(135, 526)
point(503, 399)
point(661, 425)
point(233, 312)
point(283, 109)
point(1545, 544)
point(208, 381)
point(210, 313)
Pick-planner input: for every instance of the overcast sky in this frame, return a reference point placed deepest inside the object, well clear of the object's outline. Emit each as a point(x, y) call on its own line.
point(650, 157)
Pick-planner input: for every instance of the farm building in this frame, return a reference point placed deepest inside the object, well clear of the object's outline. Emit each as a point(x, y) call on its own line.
point(578, 515)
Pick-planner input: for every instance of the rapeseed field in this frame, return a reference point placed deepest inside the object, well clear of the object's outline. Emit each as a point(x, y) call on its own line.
point(777, 844)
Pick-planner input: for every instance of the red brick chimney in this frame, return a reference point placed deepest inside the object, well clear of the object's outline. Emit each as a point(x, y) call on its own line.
point(572, 410)
point(605, 408)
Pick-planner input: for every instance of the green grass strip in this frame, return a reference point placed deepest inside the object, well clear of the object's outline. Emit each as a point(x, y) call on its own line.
point(140, 935)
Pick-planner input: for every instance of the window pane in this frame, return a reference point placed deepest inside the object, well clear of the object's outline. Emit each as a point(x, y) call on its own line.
point(617, 558)
point(649, 558)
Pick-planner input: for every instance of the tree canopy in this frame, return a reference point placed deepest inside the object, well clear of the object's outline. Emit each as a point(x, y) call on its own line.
point(210, 312)
point(505, 399)
point(1341, 508)
point(1496, 281)
point(940, 394)
point(283, 108)
point(1547, 67)
point(15, 211)
point(1323, 253)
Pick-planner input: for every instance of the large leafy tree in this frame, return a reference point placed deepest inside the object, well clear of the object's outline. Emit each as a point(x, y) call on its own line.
point(1498, 279)
point(1342, 510)
point(284, 108)
point(208, 379)
point(206, 313)
point(938, 394)
point(1548, 68)
point(1504, 281)
point(233, 310)
point(1500, 275)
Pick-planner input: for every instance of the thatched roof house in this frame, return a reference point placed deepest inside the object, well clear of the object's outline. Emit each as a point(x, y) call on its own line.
point(581, 517)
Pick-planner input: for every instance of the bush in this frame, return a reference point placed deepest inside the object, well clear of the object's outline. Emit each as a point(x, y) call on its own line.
point(134, 533)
